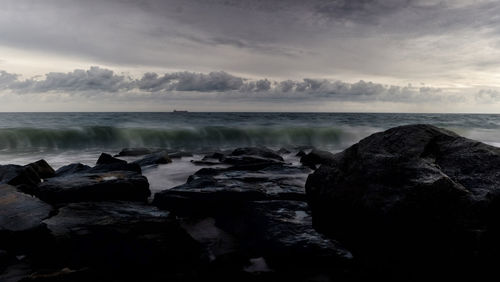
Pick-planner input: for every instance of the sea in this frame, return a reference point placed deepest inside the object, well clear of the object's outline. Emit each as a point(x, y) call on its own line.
point(64, 138)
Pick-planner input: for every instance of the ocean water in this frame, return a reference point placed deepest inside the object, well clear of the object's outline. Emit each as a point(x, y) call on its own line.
point(63, 138)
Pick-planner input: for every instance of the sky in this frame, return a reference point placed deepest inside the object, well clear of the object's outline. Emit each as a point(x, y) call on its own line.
point(250, 55)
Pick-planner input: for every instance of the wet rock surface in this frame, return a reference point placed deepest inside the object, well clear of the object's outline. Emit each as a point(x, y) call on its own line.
point(282, 233)
point(20, 212)
point(108, 159)
point(316, 157)
point(119, 235)
point(253, 221)
point(42, 168)
point(133, 152)
point(251, 178)
point(90, 186)
point(413, 202)
point(21, 217)
point(19, 175)
point(157, 158)
point(403, 205)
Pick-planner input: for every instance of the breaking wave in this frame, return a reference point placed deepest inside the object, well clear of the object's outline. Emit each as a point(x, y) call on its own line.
point(77, 138)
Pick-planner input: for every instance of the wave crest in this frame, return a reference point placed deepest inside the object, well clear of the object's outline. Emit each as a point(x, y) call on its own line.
point(187, 138)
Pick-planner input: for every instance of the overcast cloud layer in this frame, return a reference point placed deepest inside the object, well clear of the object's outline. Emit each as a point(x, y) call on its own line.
point(356, 55)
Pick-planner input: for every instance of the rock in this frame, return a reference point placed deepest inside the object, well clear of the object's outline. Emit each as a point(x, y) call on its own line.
point(252, 158)
point(65, 274)
point(154, 159)
point(249, 162)
point(214, 155)
point(280, 235)
point(317, 157)
point(88, 185)
point(108, 159)
point(19, 211)
point(283, 151)
point(205, 162)
point(18, 175)
point(71, 169)
point(42, 168)
point(119, 166)
point(179, 154)
point(15, 271)
point(135, 152)
point(300, 154)
point(217, 242)
point(203, 195)
point(100, 168)
point(123, 238)
point(413, 201)
point(21, 219)
point(4, 257)
point(257, 152)
point(212, 189)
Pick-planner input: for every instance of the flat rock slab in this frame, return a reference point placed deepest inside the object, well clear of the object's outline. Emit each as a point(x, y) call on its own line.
point(120, 236)
point(19, 211)
point(134, 152)
point(212, 190)
point(157, 158)
point(260, 152)
point(123, 217)
point(98, 186)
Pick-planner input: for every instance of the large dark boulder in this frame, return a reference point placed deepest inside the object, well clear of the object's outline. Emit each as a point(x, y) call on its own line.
point(413, 201)
point(94, 186)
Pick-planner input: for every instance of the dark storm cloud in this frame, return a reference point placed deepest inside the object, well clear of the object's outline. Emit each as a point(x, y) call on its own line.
point(96, 80)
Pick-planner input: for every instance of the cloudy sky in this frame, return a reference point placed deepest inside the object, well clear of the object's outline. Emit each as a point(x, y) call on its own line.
point(250, 55)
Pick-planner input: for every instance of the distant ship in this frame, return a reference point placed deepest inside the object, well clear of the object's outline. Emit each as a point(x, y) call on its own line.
point(182, 111)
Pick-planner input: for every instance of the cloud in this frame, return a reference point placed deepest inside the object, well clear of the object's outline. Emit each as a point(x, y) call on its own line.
point(486, 96)
point(6, 79)
point(91, 80)
point(223, 85)
point(189, 81)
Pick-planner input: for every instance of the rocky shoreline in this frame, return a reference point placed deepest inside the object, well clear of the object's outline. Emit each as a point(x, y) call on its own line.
point(412, 203)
